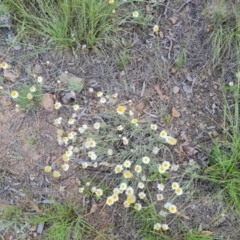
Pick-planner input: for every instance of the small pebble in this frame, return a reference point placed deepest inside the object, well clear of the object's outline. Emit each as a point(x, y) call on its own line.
point(175, 89)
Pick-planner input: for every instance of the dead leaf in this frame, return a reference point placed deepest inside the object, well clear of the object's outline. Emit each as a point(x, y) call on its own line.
point(9, 103)
point(171, 45)
point(106, 164)
point(188, 75)
point(180, 153)
point(158, 90)
point(173, 70)
point(93, 208)
point(33, 204)
point(175, 113)
point(161, 35)
point(47, 101)
point(184, 136)
point(182, 215)
point(170, 33)
point(78, 181)
point(35, 156)
point(173, 20)
point(208, 232)
point(140, 106)
point(10, 75)
point(189, 150)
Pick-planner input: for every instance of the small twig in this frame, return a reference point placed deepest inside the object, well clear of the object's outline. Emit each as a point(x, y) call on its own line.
point(152, 115)
point(188, 1)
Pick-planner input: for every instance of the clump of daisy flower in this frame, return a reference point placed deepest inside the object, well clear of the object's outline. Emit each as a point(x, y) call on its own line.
point(118, 169)
point(56, 174)
point(171, 140)
point(123, 186)
point(120, 128)
point(127, 174)
point(65, 158)
point(161, 169)
point(110, 152)
point(166, 165)
point(129, 191)
point(58, 121)
point(110, 201)
point(3, 65)
point(121, 109)
point(96, 125)
point(141, 185)
point(134, 121)
point(155, 28)
point(71, 121)
point(48, 169)
point(170, 207)
point(138, 168)
point(39, 79)
point(179, 191)
point(84, 165)
point(142, 195)
point(157, 226)
point(160, 197)
point(160, 186)
point(125, 141)
point(127, 164)
point(103, 100)
point(154, 127)
point(75, 107)
point(175, 185)
point(135, 14)
point(165, 227)
point(65, 167)
point(14, 94)
point(57, 105)
point(111, 1)
point(131, 199)
point(115, 197)
point(99, 94)
point(32, 89)
point(138, 206)
point(146, 160)
point(163, 134)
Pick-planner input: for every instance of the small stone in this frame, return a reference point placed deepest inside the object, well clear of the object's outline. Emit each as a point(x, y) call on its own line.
point(37, 69)
point(175, 89)
point(122, 73)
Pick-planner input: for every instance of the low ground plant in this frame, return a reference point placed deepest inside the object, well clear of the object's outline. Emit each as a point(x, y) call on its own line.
point(26, 96)
point(135, 156)
point(61, 222)
point(64, 221)
point(224, 166)
point(225, 36)
point(67, 23)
